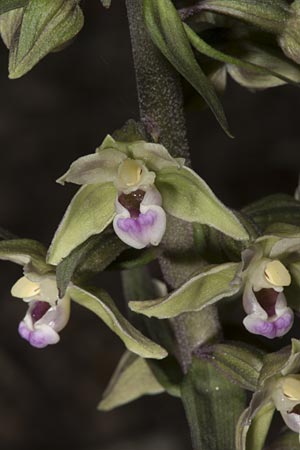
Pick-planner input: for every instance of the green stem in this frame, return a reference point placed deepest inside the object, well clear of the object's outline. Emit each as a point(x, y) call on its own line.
point(161, 110)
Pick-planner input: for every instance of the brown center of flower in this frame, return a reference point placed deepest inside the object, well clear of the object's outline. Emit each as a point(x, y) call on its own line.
point(267, 299)
point(132, 202)
point(39, 309)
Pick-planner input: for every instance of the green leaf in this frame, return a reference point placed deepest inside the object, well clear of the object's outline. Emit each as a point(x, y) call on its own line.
point(270, 15)
point(274, 209)
point(186, 196)
point(203, 289)
point(287, 441)
point(9, 24)
point(89, 213)
point(257, 64)
point(8, 5)
point(254, 423)
point(132, 258)
point(167, 32)
point(289, 40)
point(212, 405)
point(103, 306)
point(46, 25)
point(23, 252)
point(239, 363)
point(91, 257)
point(132, 379)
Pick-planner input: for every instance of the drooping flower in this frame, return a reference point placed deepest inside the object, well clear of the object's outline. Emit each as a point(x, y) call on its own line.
point(264, 300)
point(286, 397)
point(47, 314)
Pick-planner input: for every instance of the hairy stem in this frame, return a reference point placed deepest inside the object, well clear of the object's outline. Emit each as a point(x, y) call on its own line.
point(161, 110)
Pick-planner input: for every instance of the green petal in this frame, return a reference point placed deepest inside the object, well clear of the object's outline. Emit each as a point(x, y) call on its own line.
point(188, 197)
point(103, 306)
point(167, 32)
point(94, 169)
point(132, 379)
point(46, 25)
point(89, 213)
point(203, 289)
point(25, 251)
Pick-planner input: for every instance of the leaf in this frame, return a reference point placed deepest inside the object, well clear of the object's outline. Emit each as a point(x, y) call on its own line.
point(89, 213)
point(23, 252)
point(273, 209)
point(256, 62)
point(8, 5)
point(132, 379)
point(212, 405)
point(46, 25)
point(287, 441)
point(203, 289)
point(91, 257)
point(186, 196)
point(132, 258)
point(167, 32)
point(103, 306)
point(239, 363)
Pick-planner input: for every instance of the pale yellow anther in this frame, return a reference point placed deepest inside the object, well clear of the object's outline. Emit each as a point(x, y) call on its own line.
point(130, 172)
point(291, 388)
point(277, 274)
point(25, 288)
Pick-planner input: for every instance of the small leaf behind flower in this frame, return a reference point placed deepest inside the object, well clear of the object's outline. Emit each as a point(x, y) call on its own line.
point(132, 379)
point(103, 306)
point(203, 289)
point(91, 210)
point(186, 196)
point(46, 25)
point(91, 257)
point(240, 364)
point(167, 32)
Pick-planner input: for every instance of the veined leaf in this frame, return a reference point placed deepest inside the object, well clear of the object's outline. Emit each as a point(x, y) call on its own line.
point(167, 32)
point(103, 306)
point(46, 25)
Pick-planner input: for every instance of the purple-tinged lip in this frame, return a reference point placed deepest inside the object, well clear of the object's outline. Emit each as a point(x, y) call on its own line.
point(132, 202)
point(267, 299)
point(39, 310)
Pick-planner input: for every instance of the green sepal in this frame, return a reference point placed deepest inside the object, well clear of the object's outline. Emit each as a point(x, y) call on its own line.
point(132, 379)
point(203, 289)
point(240, 364)
point(187, 197)
point(9, 24)
point(8, 5)
point(46, 25)
point(103, 306)
point(253, 425)
point(277, 208)
point(245, 69)
point(286, 441)
point(91, 257)
point(25, 252)
point(212, 405)
point(289, 39)
point(167, 32)
point(91, 210)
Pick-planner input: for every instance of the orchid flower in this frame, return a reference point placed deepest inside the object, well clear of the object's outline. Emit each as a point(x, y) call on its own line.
point(46, 315)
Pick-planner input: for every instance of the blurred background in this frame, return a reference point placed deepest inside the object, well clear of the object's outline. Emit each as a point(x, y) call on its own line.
point(58, 112)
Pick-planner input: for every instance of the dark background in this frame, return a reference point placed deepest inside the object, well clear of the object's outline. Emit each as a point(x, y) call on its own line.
point(58, 112)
